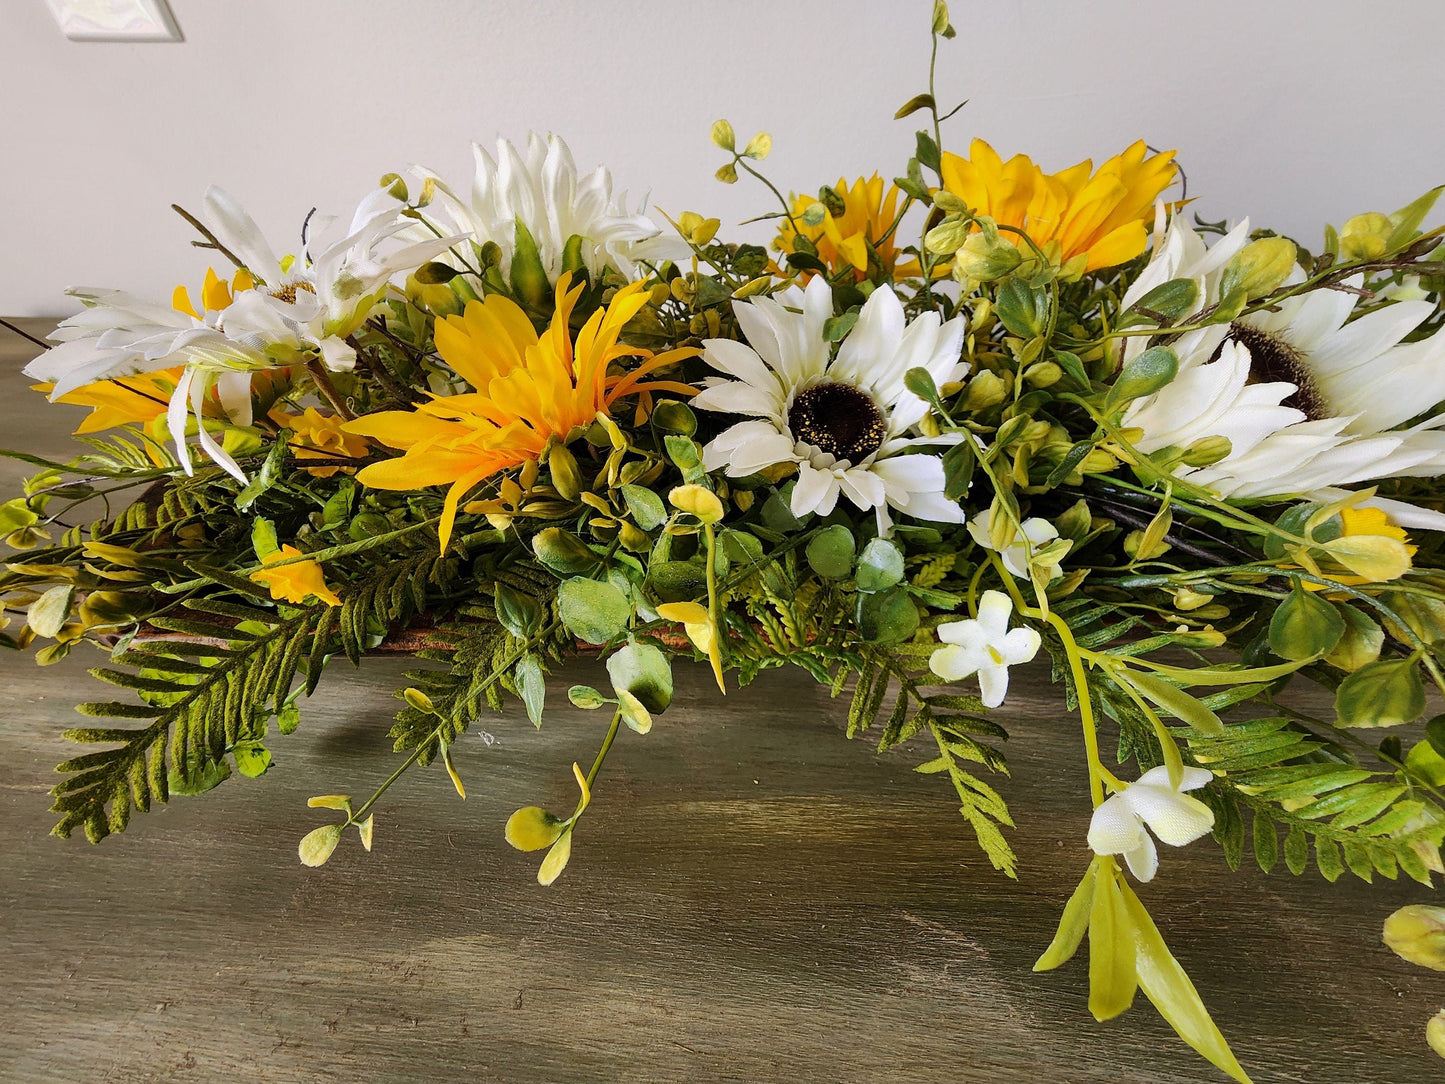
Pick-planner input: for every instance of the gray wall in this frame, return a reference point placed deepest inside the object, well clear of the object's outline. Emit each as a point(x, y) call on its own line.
point(1293, 112)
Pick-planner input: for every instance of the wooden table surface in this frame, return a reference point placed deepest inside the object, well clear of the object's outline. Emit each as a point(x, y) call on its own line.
point(751, 898)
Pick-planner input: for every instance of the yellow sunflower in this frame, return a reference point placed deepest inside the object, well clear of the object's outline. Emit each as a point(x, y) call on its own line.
point(869, 212)
point(530, 389)
point(1096, 218)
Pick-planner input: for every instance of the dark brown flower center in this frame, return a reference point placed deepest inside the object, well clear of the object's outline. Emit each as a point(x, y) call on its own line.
point(1272, 358)
point(287, 293)
point(838, 419)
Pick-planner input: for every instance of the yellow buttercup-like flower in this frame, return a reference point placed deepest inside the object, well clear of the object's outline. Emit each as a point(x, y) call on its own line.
point(869, 213)
point(1364, 523)
point(294, 582)
point(530, 389)
point(1096, 218)
point(320, 440)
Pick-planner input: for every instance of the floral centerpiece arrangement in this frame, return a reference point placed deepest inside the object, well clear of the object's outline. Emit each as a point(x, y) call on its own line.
point(942, 424)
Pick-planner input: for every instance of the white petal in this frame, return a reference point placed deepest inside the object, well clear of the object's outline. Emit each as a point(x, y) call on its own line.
point(1143, 860)
point(992, 684)
point(1175, 818)
point(813, 489)
point(1114, 828)
point(994, 610)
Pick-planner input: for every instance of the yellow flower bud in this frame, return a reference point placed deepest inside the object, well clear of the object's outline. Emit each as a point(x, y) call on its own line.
point(697, 501)
point(1417, 933)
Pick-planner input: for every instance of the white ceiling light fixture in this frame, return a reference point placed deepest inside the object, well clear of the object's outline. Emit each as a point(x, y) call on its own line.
point(115, 20)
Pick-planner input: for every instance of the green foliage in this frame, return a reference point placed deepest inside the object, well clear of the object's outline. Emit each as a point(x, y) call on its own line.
point(1289, 779)
point(203, 695)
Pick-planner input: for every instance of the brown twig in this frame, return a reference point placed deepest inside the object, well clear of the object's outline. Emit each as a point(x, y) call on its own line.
point(322, 380)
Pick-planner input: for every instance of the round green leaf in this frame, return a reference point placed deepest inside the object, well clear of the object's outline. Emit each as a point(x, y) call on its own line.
point(1387, 693)
point(879, 567)
point(887, 617)
point(563, 552)
point(592, 610)
point(1304, 626)
point(830, 552)
point(643, 671)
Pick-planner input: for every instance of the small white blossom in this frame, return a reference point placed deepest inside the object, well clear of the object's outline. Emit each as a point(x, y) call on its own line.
point(984, 646)
point(1036, 534)
point(1175, 817)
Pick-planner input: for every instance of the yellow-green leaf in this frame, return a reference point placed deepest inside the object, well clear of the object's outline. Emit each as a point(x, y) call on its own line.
point(1072, 924)
point(1373, 556)
point(531, 828)
point(316, 846)
point(556, 860)
point(633, 713)
point(722, 135)
point(759, 147)
point(1112, 975)
point(1165, 983)
point(330, 801)
point(366, 828)
point(1175, 701)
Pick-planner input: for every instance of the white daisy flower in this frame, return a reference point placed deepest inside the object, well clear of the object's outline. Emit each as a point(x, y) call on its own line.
point(1309, 399)
point(985, 646)
point(310, 306)
point(1118, 825)
point(542, 190)
point(301, 311)
point(844, 419)
point(119, 335)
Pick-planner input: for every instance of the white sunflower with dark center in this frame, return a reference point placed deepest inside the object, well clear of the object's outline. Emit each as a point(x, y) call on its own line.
point(846, 420)
point(1311, 400)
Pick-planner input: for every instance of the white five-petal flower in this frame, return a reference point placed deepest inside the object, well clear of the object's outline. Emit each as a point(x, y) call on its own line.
point(1036, 534)
point(845, 420)
point(985, 646)
point(1176, 818)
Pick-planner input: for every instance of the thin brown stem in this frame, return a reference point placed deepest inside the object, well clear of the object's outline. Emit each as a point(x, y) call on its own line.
point(322, 380)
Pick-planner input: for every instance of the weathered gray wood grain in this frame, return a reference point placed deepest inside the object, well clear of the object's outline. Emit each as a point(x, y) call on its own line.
point(751, 898)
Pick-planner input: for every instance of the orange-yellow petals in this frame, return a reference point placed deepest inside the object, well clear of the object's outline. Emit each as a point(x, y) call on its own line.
point(1097, 218)
point(529, 389)
point(294, 582)
point(132, 400)
point(216, 293)
point(320, 440)
point(869, 211)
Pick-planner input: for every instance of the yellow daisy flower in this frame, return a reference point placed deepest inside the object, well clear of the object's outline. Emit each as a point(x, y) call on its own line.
point(869, 211)
point(530, 389)
point(295, 582)
point(1096, 218)
point(320, 439)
